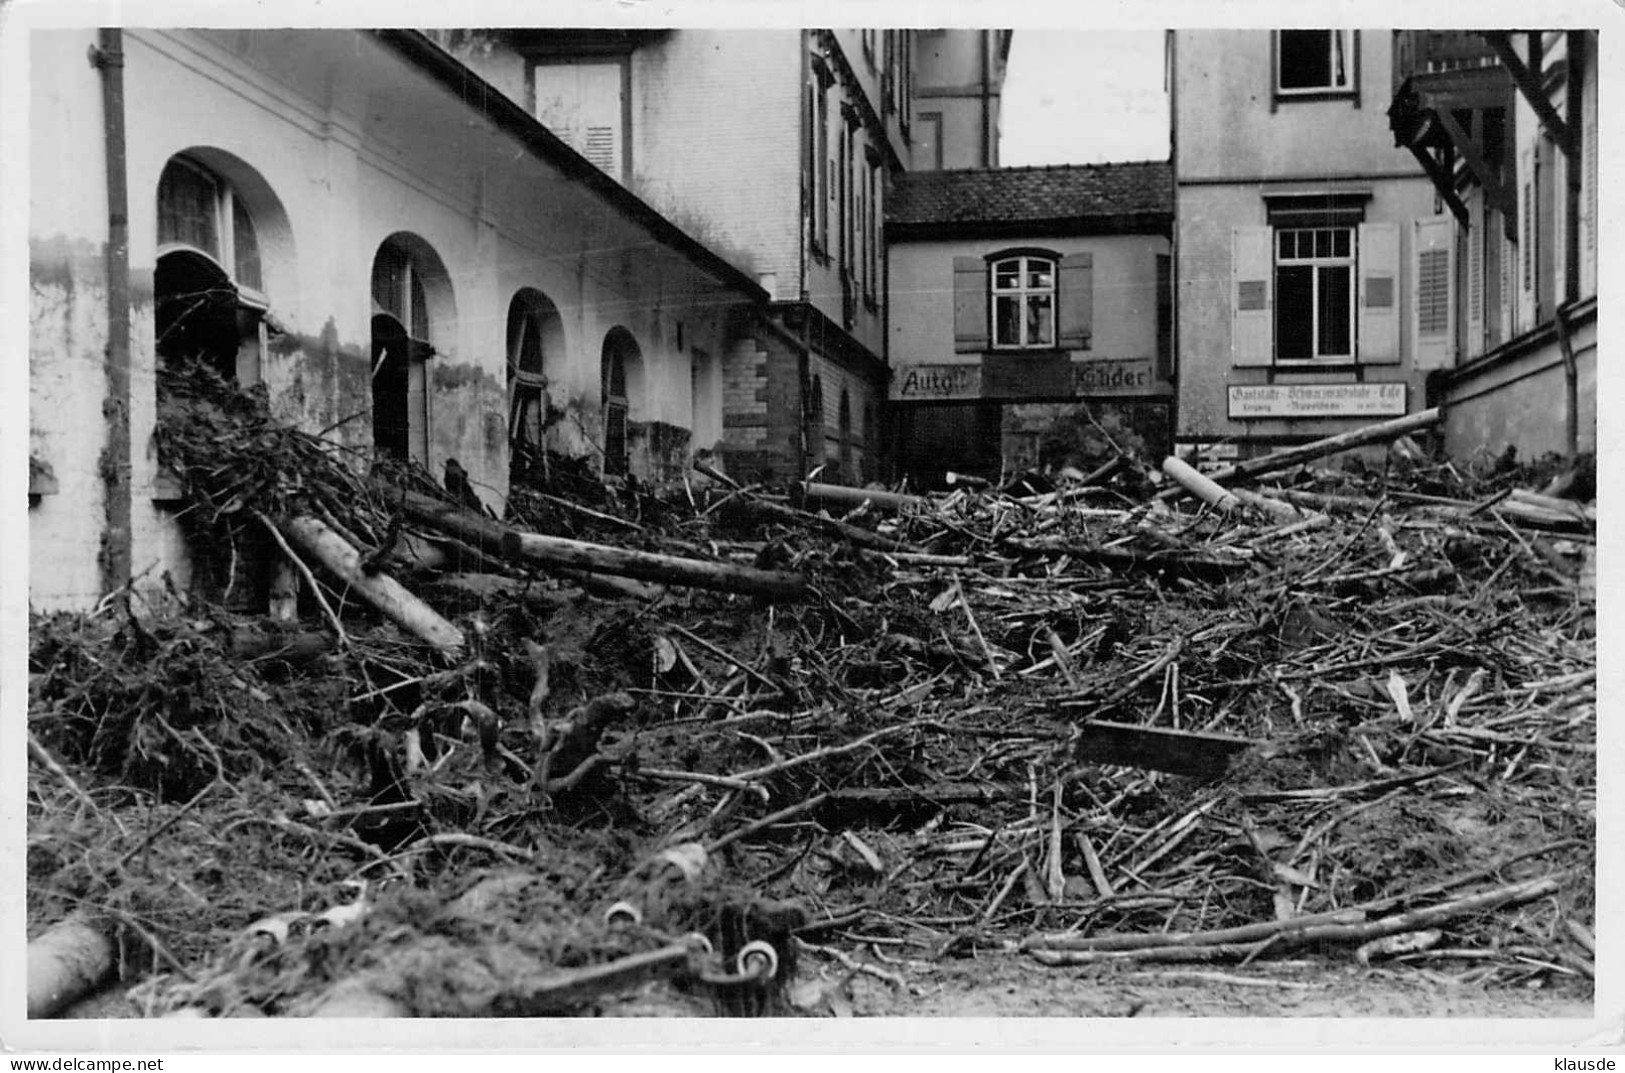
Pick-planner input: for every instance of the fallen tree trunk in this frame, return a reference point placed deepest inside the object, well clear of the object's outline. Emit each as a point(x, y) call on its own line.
point(1202, 487)
point(382, 591)
point(66, 963)
point(580, 555)
point(841, 495)
point(864, 538)
point(1343, 441)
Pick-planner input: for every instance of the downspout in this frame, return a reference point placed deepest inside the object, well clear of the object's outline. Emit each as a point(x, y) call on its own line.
point(987, 98)
point(1572, 168)
point(1571, 384)
point(808, 215)
point(107, 56)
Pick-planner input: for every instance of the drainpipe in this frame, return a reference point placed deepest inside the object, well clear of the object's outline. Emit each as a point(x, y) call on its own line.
point(987, 97)
point(803, 355)
point(107, 56)
point(1571, 384)
point(1573, 168)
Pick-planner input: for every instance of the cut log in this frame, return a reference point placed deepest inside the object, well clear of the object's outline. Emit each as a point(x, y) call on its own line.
point(67, 963)
point(864, 538)
point(1343, 441)
point(838, 495)
point(1178, 752)
point(1204, 488)
point(382, 591)
point(558, 552)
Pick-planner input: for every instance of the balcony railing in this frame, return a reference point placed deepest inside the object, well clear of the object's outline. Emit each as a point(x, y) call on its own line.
point(1425, 52)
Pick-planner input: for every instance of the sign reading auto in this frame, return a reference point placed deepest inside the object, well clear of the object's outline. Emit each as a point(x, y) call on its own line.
point(1089, 379)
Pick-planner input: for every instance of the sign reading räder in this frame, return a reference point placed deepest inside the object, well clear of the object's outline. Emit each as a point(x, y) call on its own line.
point(1318, 400)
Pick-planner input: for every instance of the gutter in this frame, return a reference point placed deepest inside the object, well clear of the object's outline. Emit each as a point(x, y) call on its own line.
point(107, 56)
point(509, 117)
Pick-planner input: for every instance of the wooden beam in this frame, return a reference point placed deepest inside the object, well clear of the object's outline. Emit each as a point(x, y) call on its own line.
point(1529, 83)
point(1488, 179)
point(1443, 182)
point(1178, 752)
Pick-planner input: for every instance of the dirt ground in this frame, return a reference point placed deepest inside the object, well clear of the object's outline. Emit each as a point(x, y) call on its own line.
point(1010, 985)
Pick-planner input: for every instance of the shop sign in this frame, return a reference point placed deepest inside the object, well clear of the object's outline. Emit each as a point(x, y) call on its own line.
point(1318, 400)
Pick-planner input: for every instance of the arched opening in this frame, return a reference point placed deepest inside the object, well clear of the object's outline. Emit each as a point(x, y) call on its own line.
point(209, 298)
point(535, 332)
point(844, 426)
point(621, 370)
point(411, 307)
point(815, 422)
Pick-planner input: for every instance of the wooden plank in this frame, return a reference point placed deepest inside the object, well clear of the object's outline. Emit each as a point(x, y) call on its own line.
point(1178, 752)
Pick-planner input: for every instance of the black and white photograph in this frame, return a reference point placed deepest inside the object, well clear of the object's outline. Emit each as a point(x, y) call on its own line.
point(672, 526)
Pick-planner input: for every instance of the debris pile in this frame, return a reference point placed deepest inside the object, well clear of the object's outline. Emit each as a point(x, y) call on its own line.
point(719, 751)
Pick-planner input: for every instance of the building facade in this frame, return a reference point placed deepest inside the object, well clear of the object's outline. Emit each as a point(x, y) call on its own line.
point(406, 261)
point(959, 87)
point(776, 147)
point(1505, 126)
point(1018, 296)
point(1309, 282)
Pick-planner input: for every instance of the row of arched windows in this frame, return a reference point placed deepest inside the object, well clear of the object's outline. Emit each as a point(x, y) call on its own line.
point(210, 302)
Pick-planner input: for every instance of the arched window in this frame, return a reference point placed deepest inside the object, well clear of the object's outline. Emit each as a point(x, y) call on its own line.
point(844, 424)
point(407, 280)
point(208, 288)
point(535, 331)
point(815, 421)
point(619, 366)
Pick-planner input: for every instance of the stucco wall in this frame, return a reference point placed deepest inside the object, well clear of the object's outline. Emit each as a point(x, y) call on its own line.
point(1523, 403)
point(1226, 128)
point(339, 144)
point(1206, 214)
point(716, 142)
point(1124, 322)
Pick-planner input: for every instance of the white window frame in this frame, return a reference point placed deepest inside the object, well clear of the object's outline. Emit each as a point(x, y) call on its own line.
point(1315, 263)
point(1020, 294)
point(225, 231)
point(1334, 39)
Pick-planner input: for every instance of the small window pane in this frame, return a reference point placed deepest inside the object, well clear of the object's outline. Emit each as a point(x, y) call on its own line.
point(187, 199)
point(247, 247)
point(1340, 243)
point(1040, 320)
point(1040, 275)
point(1007, 275)
point(1335, 335)
point(420, 310)
point(1294, 313)
point(1287, 244)
point(1323, 243)
point(1306, 59)
point(1006, 322)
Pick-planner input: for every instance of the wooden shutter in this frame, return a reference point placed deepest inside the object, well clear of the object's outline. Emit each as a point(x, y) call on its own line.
point(1477, 224)
point(970, 304)
point(1076, 301)
point(1379, 294)
point(1252, 262)
point(1433, 245)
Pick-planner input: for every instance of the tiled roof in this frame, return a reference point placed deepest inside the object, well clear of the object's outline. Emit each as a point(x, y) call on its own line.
point(1011, 195)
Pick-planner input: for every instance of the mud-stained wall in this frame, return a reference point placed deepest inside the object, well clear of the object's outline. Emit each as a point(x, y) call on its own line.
point(335, 144)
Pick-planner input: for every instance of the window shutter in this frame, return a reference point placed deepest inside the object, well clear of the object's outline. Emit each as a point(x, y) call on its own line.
point(1076, 301)
point(1252, 260)
point(1434, 340)
point(970, 304)
point(1379, 294)
point(1473, 345)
